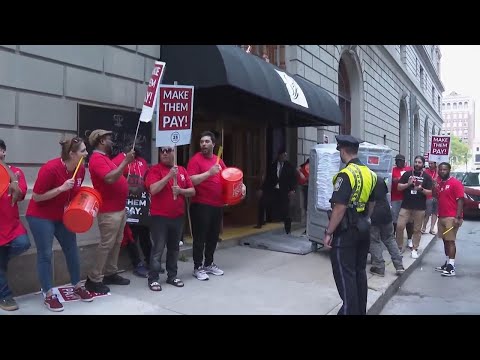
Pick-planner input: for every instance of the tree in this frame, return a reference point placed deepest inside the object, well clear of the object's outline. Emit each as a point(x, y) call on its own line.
point(460, 152)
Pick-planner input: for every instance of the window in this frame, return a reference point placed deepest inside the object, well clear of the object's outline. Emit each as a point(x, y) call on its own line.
point(448, 125)
point(448, 132)
point(455, 116)
point(465, 124)
point(478, 149)
point(466, 105)
point(447, 116)
point(443, 132)
point(433, 95)
point(438, 103)
point(422, 85)
point(455, 106)
point(471, 179)
point(465, 132)
point(403, 54)
point(448, 106)
point(460, 105)
point(443, 105)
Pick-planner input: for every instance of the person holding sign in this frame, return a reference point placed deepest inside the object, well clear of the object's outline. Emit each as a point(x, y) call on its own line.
point(108, 180)
point(13, 235)
point(206, 209)
point(135, 174)
point(167, 209)
point(56, 185)
point(416, 185)
point(450, 215)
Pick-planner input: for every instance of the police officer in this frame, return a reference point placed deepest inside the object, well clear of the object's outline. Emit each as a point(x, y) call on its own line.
point(348, 230)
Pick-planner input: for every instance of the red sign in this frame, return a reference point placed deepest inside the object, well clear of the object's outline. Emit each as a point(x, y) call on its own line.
point(426, 155)
point(175, 110)
point(67, 294)
point(153, 84)
point(373, 160)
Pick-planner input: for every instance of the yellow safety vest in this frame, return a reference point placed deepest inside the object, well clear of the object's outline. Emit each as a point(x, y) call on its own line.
point(363, 181)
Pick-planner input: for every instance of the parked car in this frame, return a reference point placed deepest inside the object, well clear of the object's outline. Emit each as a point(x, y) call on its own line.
point(471, 184)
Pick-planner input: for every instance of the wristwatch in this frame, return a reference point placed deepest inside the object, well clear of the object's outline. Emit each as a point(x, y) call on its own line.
point(327, 233)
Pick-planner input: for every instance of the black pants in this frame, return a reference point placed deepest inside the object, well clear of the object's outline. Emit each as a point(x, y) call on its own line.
point(141, 235)
point(271, 198)
point(206, 222)
point(264, 209)
point(349, 262)
point(167, 232)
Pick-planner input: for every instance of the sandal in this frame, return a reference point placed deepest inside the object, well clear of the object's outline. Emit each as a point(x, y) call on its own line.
point(154, 285)
point(175, 282)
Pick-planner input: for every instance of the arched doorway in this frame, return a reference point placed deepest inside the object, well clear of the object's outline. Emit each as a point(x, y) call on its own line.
point(416, 136)
point(426, 136)
point(350, 94)
point(403, 128)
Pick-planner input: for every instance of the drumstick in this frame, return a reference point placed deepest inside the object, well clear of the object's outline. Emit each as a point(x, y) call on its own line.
point(78, 166)
point(446, 231)
point(219, 155)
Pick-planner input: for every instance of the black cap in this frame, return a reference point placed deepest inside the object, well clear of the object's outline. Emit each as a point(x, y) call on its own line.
point(400, 157)
point(347, 141)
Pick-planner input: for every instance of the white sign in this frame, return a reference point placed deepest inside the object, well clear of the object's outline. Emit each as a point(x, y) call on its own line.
point(439, 149)
point(294, 90)
point(174, 115)
point(152, 91)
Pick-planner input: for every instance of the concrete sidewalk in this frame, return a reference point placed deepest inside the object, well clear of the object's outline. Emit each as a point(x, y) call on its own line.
point(255, 282)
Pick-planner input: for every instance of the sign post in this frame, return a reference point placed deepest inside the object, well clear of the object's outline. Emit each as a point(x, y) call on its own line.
point(440, 148)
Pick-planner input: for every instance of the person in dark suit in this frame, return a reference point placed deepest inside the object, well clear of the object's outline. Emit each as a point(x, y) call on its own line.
point(278, 187)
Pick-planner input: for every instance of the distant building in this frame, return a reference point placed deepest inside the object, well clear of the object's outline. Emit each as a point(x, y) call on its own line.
point(458, 113)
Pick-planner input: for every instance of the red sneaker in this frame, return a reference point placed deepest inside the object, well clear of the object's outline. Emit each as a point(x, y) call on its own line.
point(53, 304)
point(83, 294)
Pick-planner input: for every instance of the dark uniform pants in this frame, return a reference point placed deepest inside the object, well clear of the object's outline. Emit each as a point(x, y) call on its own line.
point(349, 261)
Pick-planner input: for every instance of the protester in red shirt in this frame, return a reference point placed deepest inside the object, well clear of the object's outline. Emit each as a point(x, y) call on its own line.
point(54, 188)
point(167, 209)
point(450, 215)
point(108, 180)
point(432, 203)
point(13, 189)
point(13, 236)
point(206, 207)
point(397, 196)
point(303, 172)
point(135, 174)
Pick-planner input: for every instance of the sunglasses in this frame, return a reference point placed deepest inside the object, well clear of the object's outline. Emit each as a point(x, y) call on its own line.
point(166, 151)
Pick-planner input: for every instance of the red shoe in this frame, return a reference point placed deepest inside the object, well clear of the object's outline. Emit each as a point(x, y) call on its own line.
point(53, 304)
point(83, 294)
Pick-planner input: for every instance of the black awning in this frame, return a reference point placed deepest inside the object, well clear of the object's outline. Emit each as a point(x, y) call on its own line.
point(229, 74)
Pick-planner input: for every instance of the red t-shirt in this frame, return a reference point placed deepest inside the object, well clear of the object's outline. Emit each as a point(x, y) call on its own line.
point(208, 192)
point(448, 192)
point(10, 226)
point(52, 175)
point(397, 195)
point(114, 196)
point(436, 180)
point(138, 167)
point(162, 203)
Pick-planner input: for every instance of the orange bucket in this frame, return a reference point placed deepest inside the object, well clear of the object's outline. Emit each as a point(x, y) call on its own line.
point(232, 183)
point(4, 180)
point(81, 211)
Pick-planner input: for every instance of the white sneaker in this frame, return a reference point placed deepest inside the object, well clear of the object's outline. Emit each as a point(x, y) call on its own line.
point(410, 243)
point(180, 243)
point(200, 274)
point(213, 269)
point(414, 254)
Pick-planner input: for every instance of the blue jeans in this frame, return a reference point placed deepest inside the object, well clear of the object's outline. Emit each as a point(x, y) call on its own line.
point(43, 231)
point(14, 248)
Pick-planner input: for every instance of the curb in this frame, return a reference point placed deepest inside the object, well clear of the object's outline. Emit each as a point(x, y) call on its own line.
point(392, 289)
